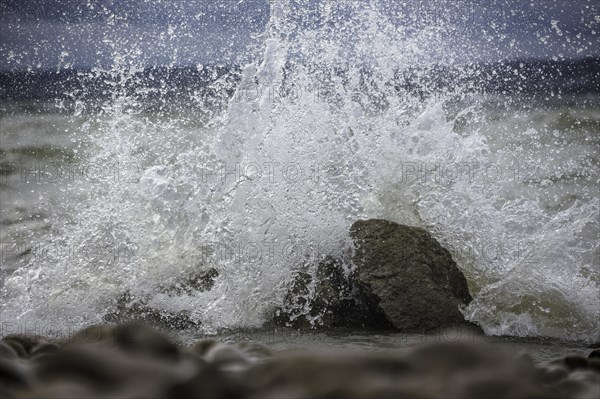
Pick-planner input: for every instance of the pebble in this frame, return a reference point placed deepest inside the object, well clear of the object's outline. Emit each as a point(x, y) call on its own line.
point(17, 347)
point(134, 361)
point(595, 354)
point(28, 342)
point(13, 377)
point(7, 351)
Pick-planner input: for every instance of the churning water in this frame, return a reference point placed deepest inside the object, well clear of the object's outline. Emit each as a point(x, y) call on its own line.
point(338, 113)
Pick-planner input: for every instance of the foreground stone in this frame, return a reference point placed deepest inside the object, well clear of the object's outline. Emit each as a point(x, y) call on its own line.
point(409, 276)
point(134, 361)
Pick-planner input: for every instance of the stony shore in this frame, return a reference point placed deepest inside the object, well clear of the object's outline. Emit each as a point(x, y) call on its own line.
point(135, 361)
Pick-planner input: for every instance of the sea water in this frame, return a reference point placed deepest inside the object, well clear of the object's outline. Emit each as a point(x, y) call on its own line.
point(336, 113)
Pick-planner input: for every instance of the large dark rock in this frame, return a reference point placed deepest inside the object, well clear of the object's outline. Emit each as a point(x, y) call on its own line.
point(329, 299)
point(404, 272)
point(404, 280)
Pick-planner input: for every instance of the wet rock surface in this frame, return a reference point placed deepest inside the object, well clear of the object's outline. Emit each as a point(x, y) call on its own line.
point(331, 299)
point(131, 308)
point(134, 361)
point(403, 279)
point(409, 276)
point(197, 282)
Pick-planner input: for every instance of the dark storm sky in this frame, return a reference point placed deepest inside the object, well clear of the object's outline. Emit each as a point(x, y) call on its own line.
point(84, 33)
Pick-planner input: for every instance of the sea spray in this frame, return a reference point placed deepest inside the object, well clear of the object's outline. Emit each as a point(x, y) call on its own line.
point(347, 111)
